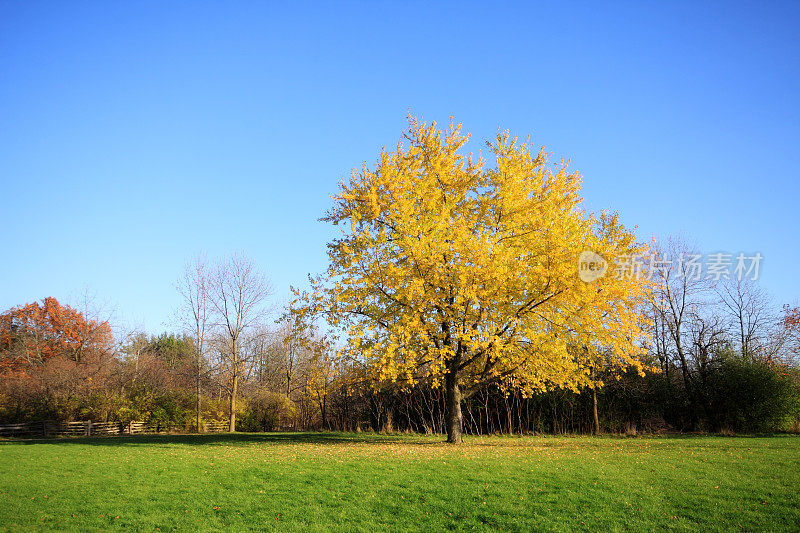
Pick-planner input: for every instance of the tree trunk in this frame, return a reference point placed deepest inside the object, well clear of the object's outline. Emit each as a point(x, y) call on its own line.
point(594, 412)
point(232, 427)
point(388, 421)
point(197, 406)
point(687, 385)
point(454, 419)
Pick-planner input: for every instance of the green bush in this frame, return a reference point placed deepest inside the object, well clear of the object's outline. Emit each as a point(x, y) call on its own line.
point(174, 409)
point(754, 397)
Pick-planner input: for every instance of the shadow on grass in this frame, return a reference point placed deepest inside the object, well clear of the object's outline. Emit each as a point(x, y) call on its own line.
point(236, 439)
point(282, 438)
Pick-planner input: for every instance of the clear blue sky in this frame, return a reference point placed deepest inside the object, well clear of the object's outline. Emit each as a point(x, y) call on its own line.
point(134, 134)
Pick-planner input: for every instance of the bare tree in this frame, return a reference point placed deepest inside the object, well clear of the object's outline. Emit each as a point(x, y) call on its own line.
point(293, 343)
point(707, 335)
point(193, 315)
point(265, 369)
point(749, 311)
point(238, 293)
point(677, 300)
point(98, 314)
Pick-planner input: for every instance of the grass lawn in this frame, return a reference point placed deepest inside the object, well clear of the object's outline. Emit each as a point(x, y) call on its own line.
point(364, 482)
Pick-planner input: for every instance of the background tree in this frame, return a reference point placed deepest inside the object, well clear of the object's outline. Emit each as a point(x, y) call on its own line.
point(679, 295)
point(791, 332)
point(193, 314)
point(238, 294)
point(290, 342)
point(463, 275)
point(52, 354)
point(320, 374)
point(33, 333)
point(749, 313)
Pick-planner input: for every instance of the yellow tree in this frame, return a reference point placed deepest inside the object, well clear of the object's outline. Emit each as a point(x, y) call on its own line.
point(464, 275)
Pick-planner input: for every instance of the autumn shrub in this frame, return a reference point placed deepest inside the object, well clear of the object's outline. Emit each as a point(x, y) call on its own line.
point(17, 405)
point(95, 406)
point(266, 411)
point(215, 409)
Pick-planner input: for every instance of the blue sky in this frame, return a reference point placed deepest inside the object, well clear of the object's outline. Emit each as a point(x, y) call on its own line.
point(135, 134)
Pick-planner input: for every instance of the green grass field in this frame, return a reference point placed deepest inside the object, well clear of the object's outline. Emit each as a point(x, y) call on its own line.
point(364, 482)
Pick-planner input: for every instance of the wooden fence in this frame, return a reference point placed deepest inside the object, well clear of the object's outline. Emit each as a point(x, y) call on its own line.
point(51, 428)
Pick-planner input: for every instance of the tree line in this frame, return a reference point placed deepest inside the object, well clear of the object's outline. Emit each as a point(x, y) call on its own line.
point(722, 360)
point(454, 301)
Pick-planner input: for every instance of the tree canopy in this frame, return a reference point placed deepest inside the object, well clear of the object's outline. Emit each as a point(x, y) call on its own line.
point(35, 332)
